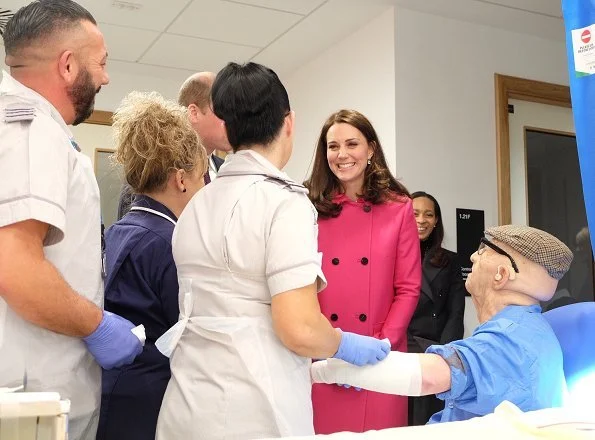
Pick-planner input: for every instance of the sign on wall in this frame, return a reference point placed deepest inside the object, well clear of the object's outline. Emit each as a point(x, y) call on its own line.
point(470, 227)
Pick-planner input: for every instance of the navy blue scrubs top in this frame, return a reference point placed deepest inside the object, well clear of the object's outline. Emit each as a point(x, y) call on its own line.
point(141, 286)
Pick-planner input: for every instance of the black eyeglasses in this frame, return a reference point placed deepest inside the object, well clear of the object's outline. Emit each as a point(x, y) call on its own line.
point(485, 242)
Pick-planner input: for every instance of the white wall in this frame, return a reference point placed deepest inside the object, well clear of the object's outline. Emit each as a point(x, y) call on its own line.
point(357, 73)
point(90, 137)
point(123, 83)
point(445, 107)
point(427, 84)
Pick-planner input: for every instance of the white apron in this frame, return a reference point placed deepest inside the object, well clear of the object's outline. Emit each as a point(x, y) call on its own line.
point(231, 376)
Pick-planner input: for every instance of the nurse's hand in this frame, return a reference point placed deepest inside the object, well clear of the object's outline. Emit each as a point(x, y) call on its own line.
point(361, 350)
point(113, 344)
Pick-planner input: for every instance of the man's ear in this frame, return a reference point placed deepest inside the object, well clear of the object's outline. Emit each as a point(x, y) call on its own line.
point(68, 67)
point(193, 111)
point(502, 276)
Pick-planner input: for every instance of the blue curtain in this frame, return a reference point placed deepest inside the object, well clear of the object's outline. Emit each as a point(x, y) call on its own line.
point(579, 20)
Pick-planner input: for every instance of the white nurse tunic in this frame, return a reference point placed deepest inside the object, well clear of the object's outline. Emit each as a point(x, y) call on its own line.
point(46, 179)
point(246, 237)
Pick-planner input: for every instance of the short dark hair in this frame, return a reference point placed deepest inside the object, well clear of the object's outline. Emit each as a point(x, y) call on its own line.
point(40, 20)
point(252, 101)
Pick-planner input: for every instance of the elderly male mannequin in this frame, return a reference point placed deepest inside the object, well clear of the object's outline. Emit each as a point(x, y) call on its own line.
point(513, 355)
point(195, 95)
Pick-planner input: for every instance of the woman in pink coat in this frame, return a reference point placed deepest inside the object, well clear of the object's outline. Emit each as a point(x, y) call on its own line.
point(368, 237)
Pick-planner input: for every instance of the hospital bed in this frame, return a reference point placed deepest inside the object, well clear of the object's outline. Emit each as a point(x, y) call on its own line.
point(506, 423)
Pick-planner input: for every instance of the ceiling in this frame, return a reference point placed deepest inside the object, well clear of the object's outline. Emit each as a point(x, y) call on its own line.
point(174, 38)
point(541, 18)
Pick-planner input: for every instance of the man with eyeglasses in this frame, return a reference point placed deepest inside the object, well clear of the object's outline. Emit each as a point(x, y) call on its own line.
point(513, 355)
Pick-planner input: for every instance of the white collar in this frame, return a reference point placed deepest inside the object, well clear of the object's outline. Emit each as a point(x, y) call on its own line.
point(11, 87)
point(251, 161)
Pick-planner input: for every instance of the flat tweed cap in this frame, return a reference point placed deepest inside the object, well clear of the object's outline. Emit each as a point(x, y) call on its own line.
point(536, 245)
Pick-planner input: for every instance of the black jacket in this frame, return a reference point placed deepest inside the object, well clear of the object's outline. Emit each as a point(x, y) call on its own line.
point(217, 161)
point(438, 318)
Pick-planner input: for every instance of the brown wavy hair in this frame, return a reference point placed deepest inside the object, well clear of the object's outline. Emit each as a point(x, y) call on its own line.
point(379, 184)
point(154, 137)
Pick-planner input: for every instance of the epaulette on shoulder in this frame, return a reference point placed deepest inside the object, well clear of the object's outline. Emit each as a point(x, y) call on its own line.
point(291, 186)
point(19, 111)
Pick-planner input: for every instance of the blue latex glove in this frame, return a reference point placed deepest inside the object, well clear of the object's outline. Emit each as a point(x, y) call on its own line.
point(113, 344)
point(361, 350)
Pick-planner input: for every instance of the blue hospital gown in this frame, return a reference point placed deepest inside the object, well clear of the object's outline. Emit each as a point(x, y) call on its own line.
point(514, 356)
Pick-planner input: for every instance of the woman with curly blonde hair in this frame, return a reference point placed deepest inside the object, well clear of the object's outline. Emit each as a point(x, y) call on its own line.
point(368, 238)
point(164, 163)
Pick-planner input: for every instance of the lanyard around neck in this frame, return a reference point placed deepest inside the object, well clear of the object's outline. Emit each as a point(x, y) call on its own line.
point(152, 211)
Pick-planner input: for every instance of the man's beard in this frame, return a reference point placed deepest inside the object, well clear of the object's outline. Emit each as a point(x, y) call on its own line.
point(82, 94)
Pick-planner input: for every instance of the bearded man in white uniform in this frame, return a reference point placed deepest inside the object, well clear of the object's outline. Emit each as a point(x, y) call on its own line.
point(53, 332)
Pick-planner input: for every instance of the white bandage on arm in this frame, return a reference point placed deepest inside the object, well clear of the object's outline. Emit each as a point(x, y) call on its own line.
point(399, 374)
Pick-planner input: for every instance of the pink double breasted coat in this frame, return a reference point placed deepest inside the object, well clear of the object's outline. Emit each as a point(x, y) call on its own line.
point(371, 260)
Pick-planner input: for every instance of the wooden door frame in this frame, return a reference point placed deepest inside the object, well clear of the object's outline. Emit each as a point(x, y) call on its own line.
point(510, 87)
point(100, 117)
